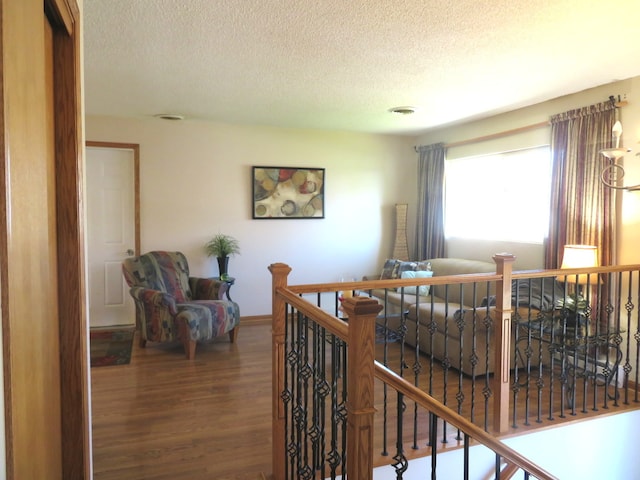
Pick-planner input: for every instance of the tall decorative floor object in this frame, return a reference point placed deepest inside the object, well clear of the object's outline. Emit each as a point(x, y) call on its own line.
point(400, 246)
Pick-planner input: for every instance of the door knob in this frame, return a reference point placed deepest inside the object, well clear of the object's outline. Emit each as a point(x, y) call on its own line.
point(130, 252)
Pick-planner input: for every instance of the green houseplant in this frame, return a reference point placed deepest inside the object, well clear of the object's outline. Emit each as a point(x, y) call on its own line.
point(572, 313)
point(222, 246)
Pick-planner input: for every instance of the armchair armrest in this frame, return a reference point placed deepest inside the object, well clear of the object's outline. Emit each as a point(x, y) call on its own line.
point(155, 311)
point(207, 288)
point(149, 300)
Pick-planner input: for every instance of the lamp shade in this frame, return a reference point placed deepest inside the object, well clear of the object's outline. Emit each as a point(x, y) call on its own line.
point(581, 256)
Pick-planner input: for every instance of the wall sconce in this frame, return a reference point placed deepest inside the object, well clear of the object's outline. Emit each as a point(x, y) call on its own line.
point(614, 172)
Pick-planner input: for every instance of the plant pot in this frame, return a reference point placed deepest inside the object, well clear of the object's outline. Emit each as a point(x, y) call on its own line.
point(223, 265)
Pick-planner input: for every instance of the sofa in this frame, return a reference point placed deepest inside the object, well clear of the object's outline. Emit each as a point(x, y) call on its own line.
point(448, 316)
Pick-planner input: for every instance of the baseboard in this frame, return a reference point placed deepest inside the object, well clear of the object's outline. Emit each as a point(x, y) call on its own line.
point(256, 320)
point(99, 328)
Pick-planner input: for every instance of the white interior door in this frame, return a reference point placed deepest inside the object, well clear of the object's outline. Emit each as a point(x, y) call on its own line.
point(111, 232)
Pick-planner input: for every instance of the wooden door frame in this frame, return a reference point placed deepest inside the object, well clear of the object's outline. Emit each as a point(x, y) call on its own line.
point(65, 17)
point(136, 180)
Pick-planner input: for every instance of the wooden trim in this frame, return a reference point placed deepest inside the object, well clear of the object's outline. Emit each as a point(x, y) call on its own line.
point(61, 14)
point(493, 136)
point(136, 180)
point(279, 274)
point(255, 320)
point(4, 254)
point(513, 131)
point(64, 16)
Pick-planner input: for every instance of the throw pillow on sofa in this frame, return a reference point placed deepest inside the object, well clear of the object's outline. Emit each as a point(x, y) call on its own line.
point(422, 290)
point(393, 268)
point(388, 269)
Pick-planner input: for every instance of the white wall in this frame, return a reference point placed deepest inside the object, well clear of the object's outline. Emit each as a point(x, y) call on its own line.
point(196, 182)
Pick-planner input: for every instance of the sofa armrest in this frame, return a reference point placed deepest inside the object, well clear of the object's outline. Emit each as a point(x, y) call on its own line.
point(207, 288)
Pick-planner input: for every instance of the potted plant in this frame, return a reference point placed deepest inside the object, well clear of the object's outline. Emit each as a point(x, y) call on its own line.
point(573, 311)
point(222, 246)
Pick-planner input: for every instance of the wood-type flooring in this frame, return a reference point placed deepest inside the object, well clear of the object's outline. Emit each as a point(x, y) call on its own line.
point(163, 417)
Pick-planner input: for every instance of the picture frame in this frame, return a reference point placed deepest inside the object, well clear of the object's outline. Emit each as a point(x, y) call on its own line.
point(291, 193)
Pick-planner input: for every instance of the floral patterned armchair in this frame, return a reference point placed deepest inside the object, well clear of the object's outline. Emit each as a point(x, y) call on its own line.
point(171, 305)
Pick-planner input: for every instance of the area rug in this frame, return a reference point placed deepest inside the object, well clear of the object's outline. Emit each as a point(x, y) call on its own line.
point(111, 346)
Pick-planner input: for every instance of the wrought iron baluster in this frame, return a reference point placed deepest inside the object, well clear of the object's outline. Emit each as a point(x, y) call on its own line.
point(287, 393)
point(629, 306)
point(446, 362)
point(465, 471)
point(315, 429)
point(431, 328)
point(320, 393)
point(551, 349)
point(342, 411)
point(385, 388)
point(528, 354)
point(540, 384)
point(460, 323)
point(334, 456)
point(305, 374)
point(417, 368)
point(433, 441)
point(486, 389)
point(473, 358)
point(401, 463)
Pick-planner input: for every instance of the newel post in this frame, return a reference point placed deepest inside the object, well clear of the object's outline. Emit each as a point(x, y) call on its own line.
point(279, 274)
point(361, 312)
point(502, 359)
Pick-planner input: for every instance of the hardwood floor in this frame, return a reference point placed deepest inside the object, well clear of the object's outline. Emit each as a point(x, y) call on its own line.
point(164, 417)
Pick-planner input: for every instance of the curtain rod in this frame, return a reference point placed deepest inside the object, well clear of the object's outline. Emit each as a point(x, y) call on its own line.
point(494, 135)
point(513, 131)
point(491, 136)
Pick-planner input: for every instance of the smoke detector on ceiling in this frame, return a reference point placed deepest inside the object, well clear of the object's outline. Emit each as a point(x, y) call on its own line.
point(403, 110)
point(169, 116)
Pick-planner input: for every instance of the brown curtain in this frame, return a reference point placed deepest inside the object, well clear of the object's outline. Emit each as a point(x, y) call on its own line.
point(430, 225)
point(582, 208)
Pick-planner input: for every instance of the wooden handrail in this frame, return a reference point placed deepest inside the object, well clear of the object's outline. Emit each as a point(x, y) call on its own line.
point(451, 279)
point(395, 283)
point(427, 401)
point(322, 318)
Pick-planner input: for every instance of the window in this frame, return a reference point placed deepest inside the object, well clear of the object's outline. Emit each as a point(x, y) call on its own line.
point(501, 196)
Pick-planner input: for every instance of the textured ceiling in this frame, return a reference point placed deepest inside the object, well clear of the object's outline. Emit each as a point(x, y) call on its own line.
point(341, 64)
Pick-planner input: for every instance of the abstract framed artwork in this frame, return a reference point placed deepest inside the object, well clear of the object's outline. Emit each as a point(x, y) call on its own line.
point(288, 192)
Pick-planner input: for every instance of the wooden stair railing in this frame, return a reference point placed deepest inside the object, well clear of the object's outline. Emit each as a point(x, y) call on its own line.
point(362, 367)
point(426, 401)
point(359, 334)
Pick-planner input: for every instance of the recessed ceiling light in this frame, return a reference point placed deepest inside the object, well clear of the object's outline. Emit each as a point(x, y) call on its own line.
point(403, 110)
point(169, 116)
